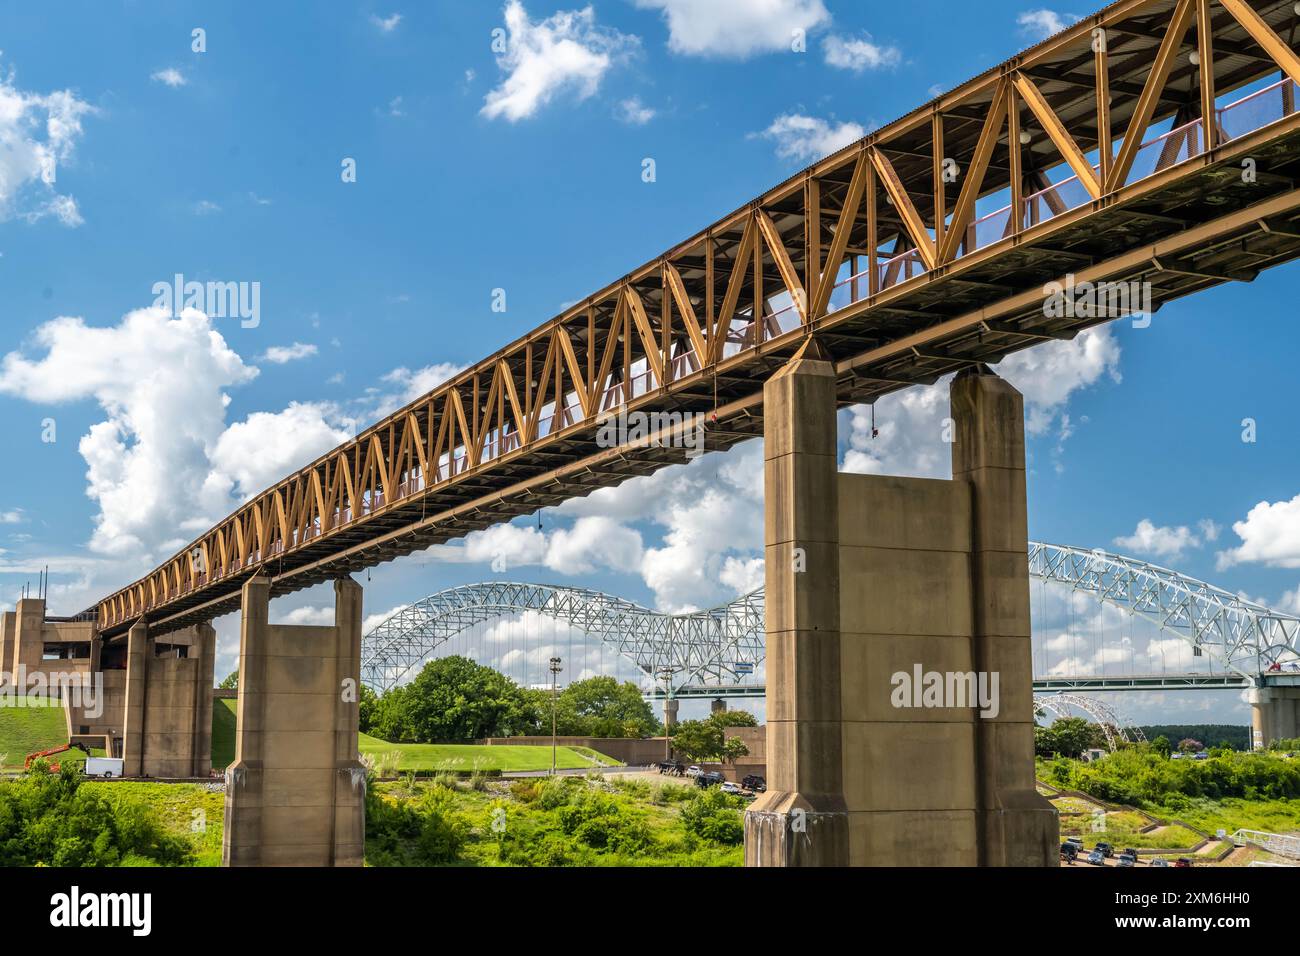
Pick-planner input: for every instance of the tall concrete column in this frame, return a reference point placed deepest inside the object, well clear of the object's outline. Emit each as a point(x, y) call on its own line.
point(29, 640)
point(139, 650)
point(295, 795)
point(1275, 715)
point(1018, 826)
point(167, 706)
point(670, 721)
point(801, 820)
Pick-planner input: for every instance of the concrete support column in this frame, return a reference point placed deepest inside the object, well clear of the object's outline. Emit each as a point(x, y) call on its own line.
point(167, 707)
point(670, 721)
point(1018, 826)
point(801, 820)
point(1275, 715)
point(295, 795)
point(29, 640)
point(139, 651)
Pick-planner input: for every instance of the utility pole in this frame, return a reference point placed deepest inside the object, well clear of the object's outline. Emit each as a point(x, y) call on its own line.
point(555, 670)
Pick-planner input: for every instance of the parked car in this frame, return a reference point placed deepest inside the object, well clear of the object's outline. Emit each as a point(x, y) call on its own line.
point(1106, 849)
point(1097, 858)
point(672, 768)
point(1069, 852)
point(693, 771)
point(1077, 841)
point(1131, 852)
point(1182, 861)
point(710, 779)
point(754, 782)
point(1159, 861)
point(1126, 859)
point(732, 788)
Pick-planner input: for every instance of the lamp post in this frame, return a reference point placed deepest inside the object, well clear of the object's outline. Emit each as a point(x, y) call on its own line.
point(555, 670)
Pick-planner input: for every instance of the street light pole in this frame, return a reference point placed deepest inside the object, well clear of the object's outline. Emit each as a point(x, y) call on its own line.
point(555, 670)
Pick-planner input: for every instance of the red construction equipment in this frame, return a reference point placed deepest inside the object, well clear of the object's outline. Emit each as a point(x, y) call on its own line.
point(54, 767)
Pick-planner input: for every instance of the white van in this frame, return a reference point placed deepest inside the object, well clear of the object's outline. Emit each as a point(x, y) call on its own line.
point(103, 767)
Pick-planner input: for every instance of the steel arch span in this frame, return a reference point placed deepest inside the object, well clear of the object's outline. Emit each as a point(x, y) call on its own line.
point(718, 646)
point(712, 646)
point(1242, 636)
point(1115, 726)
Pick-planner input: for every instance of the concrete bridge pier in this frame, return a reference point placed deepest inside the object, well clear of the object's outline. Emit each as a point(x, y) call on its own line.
point(166, 705)
point(900, 714)
point(295, 795)
point(1275, 714)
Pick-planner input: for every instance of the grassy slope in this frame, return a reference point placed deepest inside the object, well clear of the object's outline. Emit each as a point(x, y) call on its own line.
point(223, 732)
point(26, 729)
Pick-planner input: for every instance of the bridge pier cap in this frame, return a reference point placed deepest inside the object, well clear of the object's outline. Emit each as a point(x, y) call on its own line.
point(869, 577)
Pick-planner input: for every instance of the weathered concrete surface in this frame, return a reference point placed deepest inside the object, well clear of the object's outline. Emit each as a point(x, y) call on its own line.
point(869, 577)
point(166, 709)
point(1275, 714)
point(295, 795)
point(802, 819)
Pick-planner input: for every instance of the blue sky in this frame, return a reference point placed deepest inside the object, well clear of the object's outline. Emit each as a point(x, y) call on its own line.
point(129, 157)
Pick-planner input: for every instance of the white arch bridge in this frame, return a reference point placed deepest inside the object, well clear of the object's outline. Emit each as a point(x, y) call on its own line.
point(718, 652)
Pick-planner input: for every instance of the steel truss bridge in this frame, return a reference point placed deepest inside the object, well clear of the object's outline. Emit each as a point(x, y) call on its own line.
point(1154, 142)
point(709, 653)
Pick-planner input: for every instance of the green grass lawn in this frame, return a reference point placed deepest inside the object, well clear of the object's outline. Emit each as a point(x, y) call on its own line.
point(462, 757)
point(27, 729)
point(467, 757)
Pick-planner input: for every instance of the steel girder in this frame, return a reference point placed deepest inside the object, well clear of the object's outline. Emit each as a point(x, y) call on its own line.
point(1242, 636)
point(699, 646)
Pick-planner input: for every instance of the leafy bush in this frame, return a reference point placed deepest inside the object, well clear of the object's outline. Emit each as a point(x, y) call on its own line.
point(48, 820)
point(714, 815)
point(419, 832)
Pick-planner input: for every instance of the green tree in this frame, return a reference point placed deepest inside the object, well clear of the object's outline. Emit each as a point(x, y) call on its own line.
point(455, 700)
point(1162, 746)
point(1068, 736)
point(366, 704)
point(601, 707)
point(1190, 746)
point(706, 739)
point(231, 682)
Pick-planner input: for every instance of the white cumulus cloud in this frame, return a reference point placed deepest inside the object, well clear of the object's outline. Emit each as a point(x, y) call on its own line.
point(737, 28)
point(566, 52)
point(1270, 535)
point(859, 53)
point(169, 77)
point(1042, 23)
point(37, 134)
point(807, 138)
point(283, 354)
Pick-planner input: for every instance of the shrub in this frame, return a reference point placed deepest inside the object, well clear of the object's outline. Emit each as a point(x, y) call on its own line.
point(48, 820)
point(715, 816)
